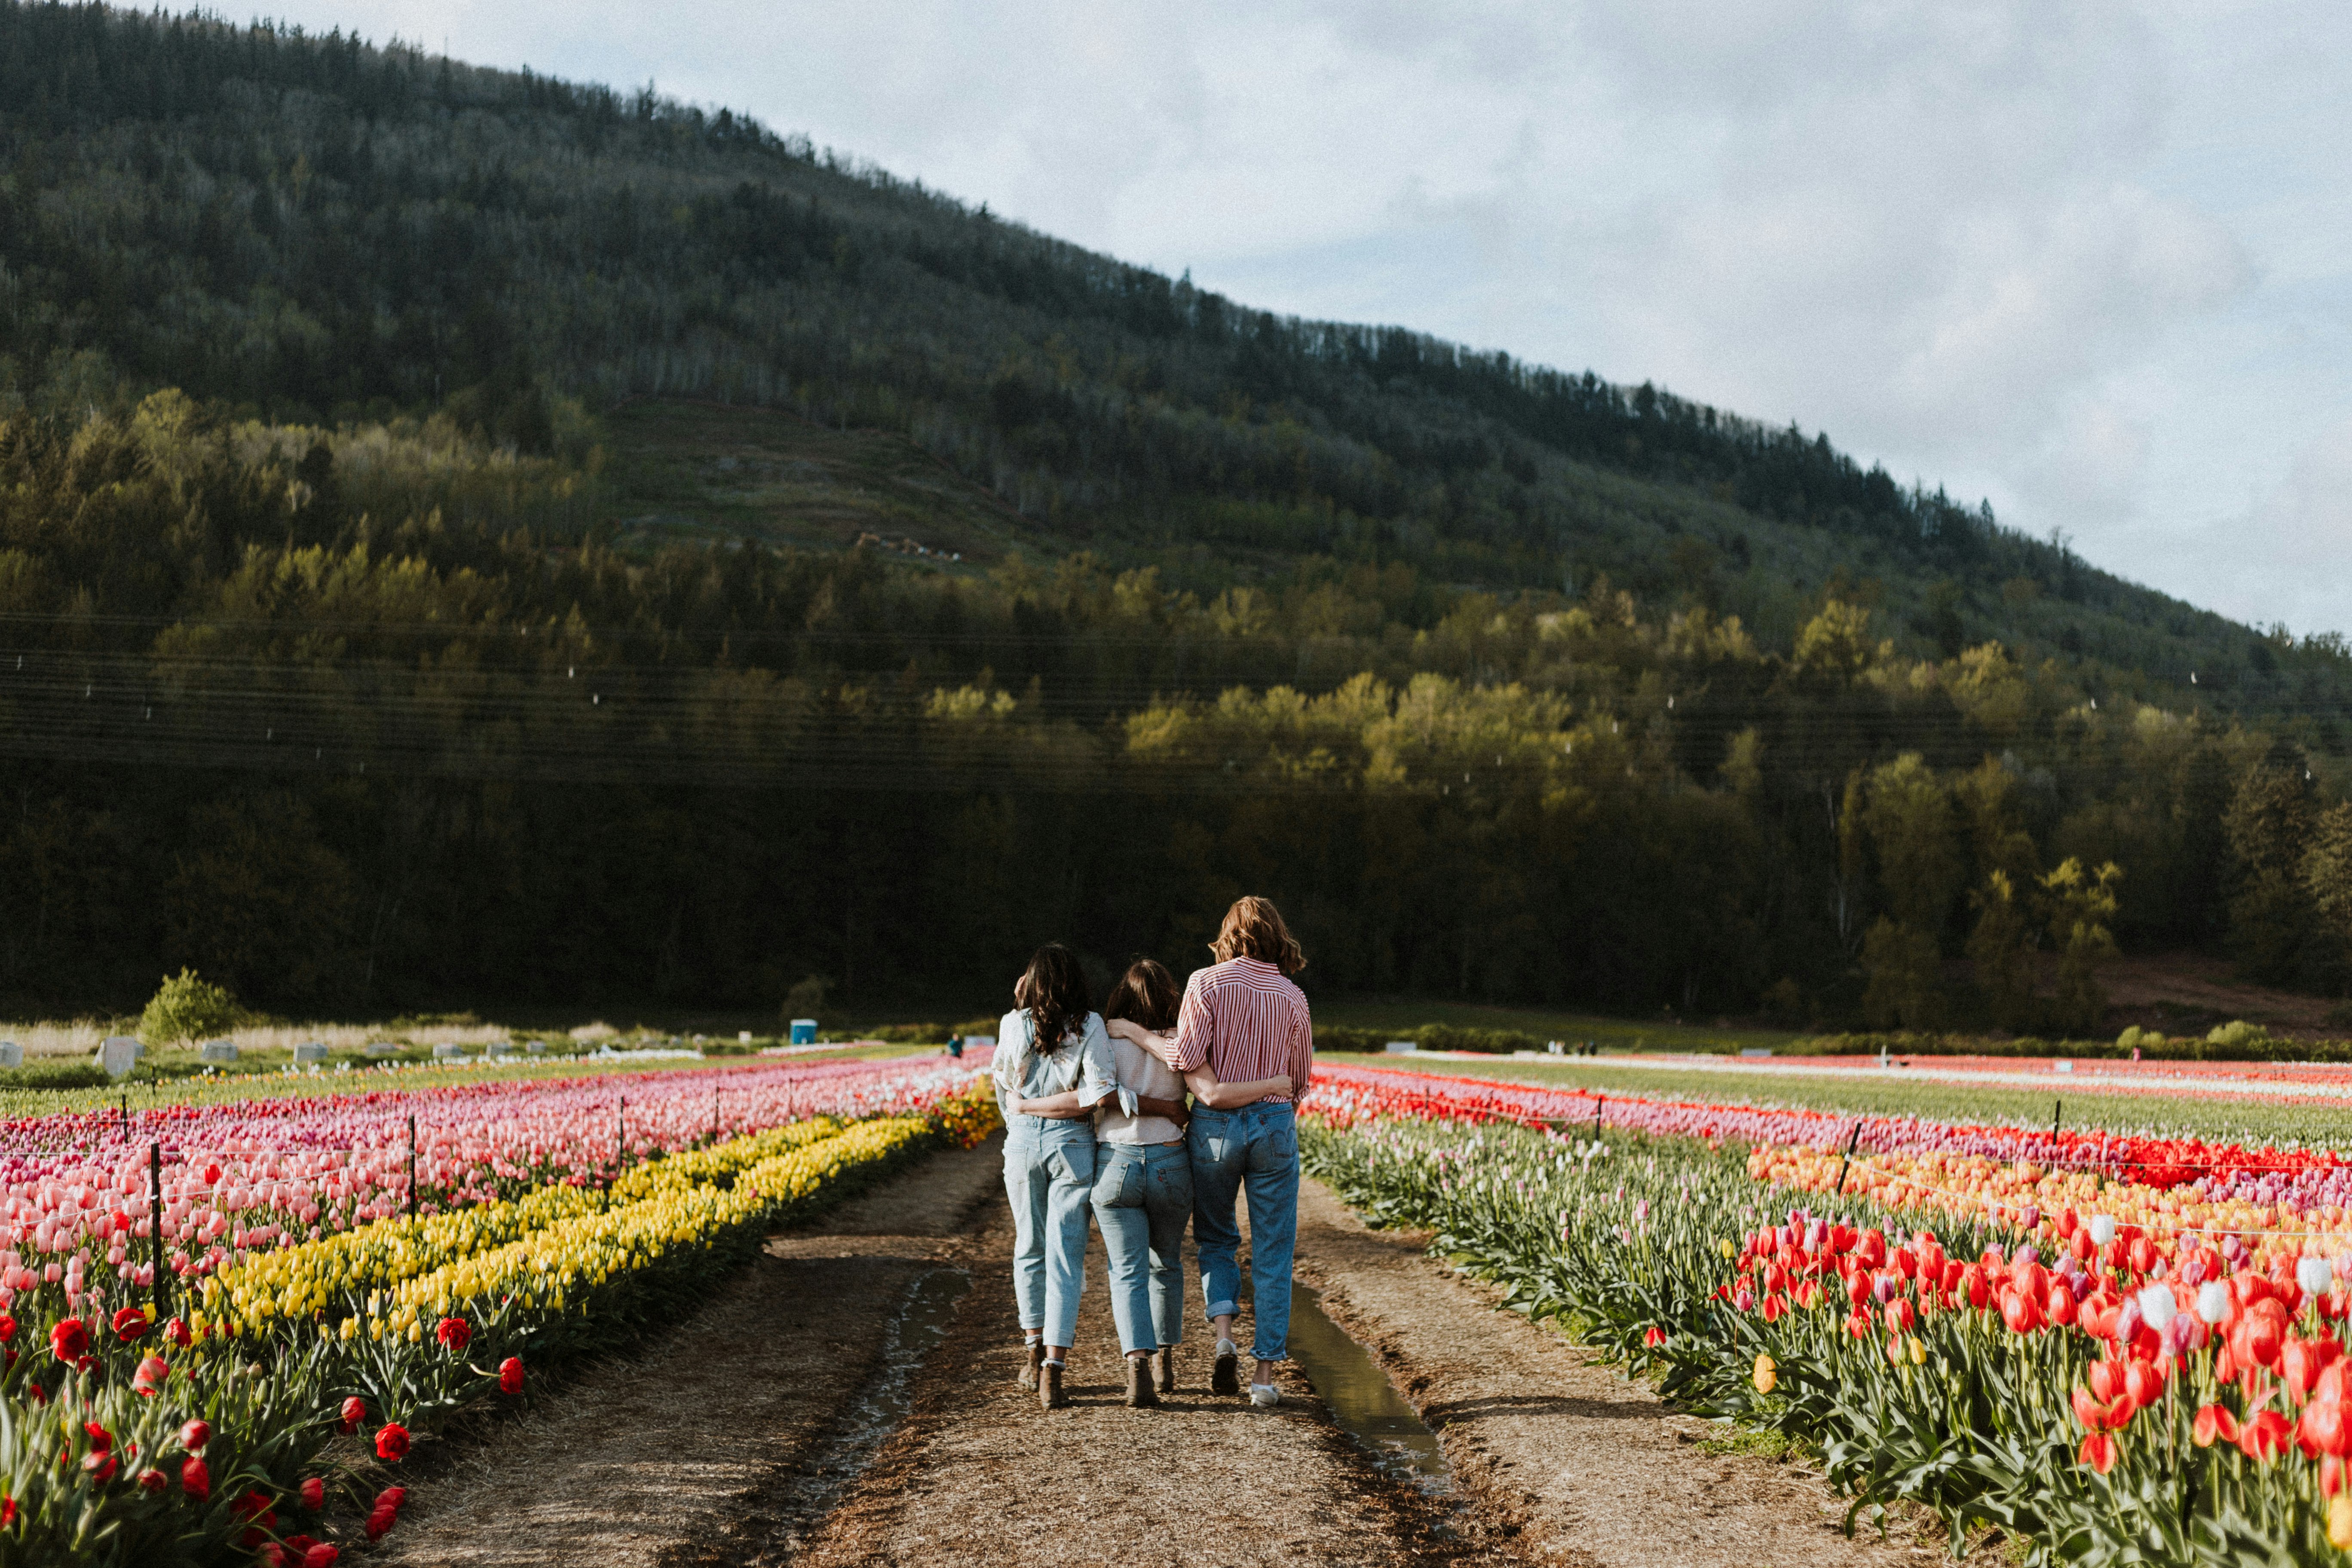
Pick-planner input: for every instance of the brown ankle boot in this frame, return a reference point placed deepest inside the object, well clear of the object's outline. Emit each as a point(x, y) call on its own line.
point(1163, 1368)
point(1049, 1388)
point(1141, 1394)
point(1034, 1359)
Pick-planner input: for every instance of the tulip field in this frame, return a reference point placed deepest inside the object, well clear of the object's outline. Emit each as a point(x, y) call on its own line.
point(2118, 1349)
point(340, 1273)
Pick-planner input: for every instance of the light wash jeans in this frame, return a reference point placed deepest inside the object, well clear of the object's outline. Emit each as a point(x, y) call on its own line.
point(1143, 1198)
point(1049, 1172)
point(1255, 1148)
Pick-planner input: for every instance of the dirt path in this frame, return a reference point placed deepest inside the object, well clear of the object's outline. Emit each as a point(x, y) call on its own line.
point(1586, 1465)
point(701, 1450)
point(677, 1456)
point(980, 1476)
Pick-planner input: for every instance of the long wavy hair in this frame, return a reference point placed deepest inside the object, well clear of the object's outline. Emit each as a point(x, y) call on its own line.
point(1254, 928)
point(1053, 991)
point(1145, 994)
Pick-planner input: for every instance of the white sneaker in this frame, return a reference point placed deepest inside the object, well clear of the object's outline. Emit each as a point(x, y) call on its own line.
point(1265, 1395)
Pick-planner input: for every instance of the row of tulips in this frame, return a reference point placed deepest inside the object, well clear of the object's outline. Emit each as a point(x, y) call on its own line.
point(253, 1175)
point(2102, 1401)
point(2290, 1181)
point(2029, 1197)
point(262, 1424)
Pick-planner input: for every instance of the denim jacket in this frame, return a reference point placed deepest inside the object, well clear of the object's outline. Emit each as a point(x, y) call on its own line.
point(1018, 1070)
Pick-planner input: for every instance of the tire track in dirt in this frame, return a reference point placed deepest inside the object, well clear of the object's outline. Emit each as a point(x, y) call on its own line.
point(680, 1455)
point(1578, 1464)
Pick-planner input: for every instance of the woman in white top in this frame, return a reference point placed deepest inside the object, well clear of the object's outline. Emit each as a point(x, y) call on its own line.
point(1051, 1050)
point(1143, 1176)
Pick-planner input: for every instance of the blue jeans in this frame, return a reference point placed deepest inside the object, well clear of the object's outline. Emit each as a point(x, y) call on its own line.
point(1255, 1148)
point(1049, 1171)
point(1143, 1198)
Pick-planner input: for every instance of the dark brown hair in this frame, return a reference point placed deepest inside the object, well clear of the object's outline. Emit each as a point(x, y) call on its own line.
point(1145, 994)
point(1254, 928)
point(1052, 990)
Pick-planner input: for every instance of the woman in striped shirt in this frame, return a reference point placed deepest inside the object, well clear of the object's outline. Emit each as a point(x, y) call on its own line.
point(1244, 1020)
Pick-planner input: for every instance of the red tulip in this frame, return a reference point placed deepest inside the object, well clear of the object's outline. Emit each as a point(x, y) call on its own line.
point(510, 1369)
point(391, 1442)
point(69, 1340)
point(1978, 1288)
point(1857, 1287)
point(320, 1555)
point(2264, 1435)
point(194, 1436)
point(2324, 1430)
point(2299, 1365)
point(313, 1493)
point(2098, 1452)
point(195, 1479)
point(2020, 1313)
point(2090, 1410)
point(2331, 1476)
point(455, 1332)
point(101, 1461)
point(2062, 1304)
point(354, 1412)
point(178, 1333)
point(2143, 1383)
point(152, 1480)
point(129, 1324)
point(8, 1329)
point(2263, 1338)
point(150, 1377)
point(1899, 1316)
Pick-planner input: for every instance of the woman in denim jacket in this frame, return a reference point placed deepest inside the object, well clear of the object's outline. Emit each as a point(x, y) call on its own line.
point(1051, 1048)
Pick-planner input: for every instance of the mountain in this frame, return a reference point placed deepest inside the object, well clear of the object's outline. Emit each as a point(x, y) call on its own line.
point(368, 405)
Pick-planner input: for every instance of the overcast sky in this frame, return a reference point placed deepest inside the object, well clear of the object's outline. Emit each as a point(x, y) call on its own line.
point(2087, 259)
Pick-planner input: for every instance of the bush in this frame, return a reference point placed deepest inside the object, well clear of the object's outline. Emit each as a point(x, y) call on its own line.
point(56, 1075)
point(2243, 1043)
point(186, 1008)
point(1338, 1038)
point(1456, 1038)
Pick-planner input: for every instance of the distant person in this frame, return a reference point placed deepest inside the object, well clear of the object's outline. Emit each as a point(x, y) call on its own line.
point(1143, 1177)
point(1052, 1049)
point(1244, 1020)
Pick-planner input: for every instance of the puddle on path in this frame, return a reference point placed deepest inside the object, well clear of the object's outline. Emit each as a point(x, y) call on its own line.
point(1363, 1401)
point(919, 1323)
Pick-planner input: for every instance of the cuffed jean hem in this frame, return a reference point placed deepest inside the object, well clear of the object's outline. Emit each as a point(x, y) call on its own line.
point(1223, 1309)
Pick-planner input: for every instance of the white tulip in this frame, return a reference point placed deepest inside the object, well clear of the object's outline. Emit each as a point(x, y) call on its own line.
point(2314, 1275)
point(2212, 1301)
point(2157, 1307)
point(2103, 1229)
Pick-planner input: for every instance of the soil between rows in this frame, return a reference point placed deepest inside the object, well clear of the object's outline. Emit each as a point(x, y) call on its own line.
point(685, 1455)
point(1590, 1466)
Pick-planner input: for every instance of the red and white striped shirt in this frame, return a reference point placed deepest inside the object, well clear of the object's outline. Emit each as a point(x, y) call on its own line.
point(1246, 1020)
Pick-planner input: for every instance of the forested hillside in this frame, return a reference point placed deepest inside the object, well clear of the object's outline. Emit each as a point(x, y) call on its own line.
point(430, 516)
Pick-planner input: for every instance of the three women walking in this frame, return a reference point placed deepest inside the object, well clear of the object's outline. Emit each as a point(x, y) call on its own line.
point(1096, 1121)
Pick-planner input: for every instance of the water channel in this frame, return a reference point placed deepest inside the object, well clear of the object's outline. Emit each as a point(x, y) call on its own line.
point(1363, 1401)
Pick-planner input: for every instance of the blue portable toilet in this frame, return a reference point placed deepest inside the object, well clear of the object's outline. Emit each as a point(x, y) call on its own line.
point(803, 1031)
